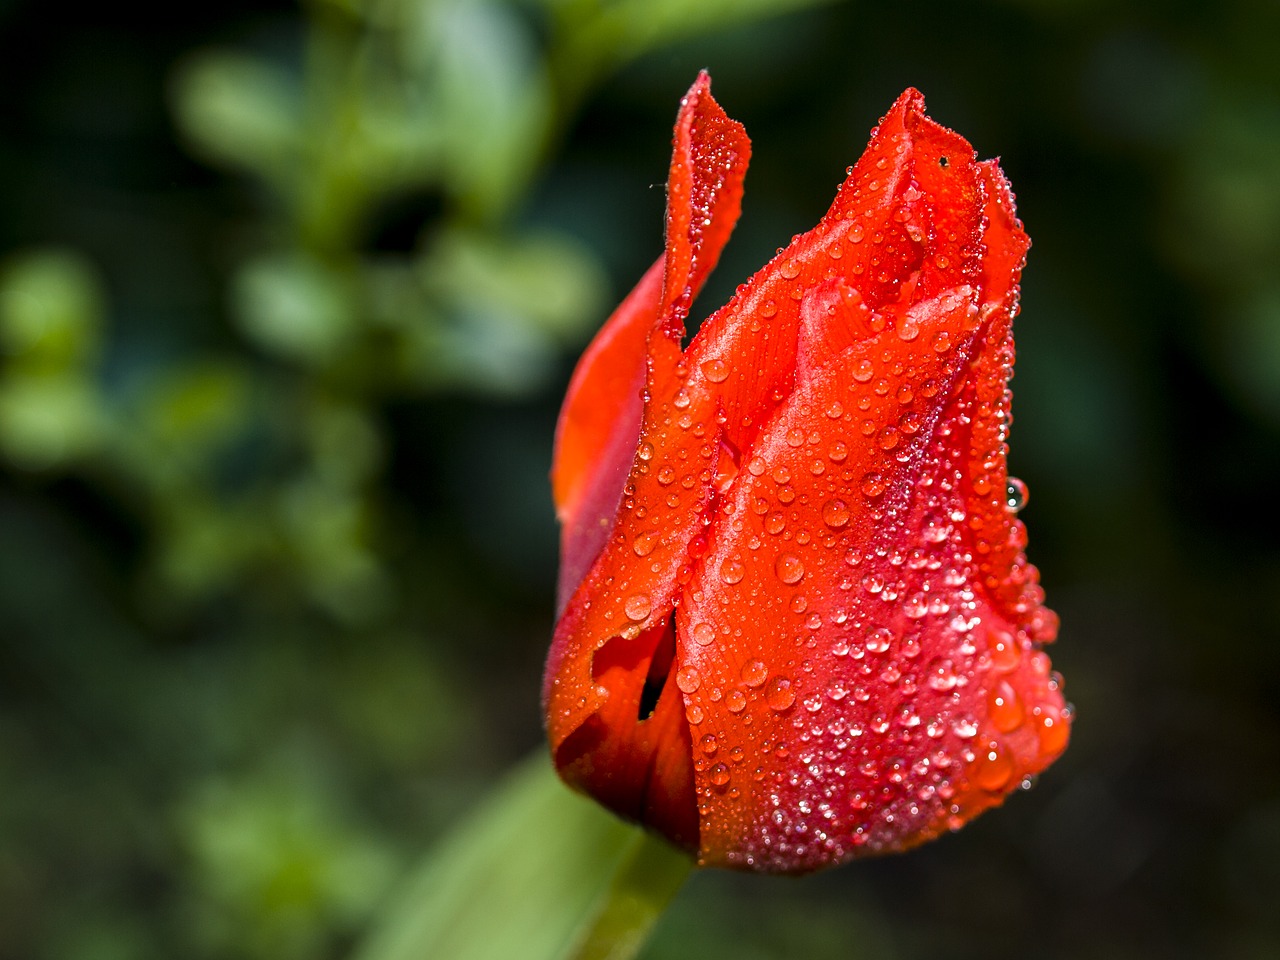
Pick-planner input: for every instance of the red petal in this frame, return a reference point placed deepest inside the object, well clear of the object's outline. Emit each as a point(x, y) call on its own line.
point(602, 655)
point(600, 421)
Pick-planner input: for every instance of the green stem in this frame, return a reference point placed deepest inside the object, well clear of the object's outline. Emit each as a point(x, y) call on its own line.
point(644, 885)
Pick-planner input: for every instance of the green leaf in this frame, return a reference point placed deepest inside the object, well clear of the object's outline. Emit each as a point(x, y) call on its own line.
point(240, 110)
point(538, 873)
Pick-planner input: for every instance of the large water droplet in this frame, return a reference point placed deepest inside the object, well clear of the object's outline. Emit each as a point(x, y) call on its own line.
point(1005, 708)
point(835, 513)
point(732, 571)
point(703, 633)
point(1016, 494)
point(754, 673)
point(993, 767)
point(780, 695)
point(688, 679)
point(879, 639)
point(638, 606)
point(715, 370)
point(644, 542)
point(873, 485)
point(789, 568)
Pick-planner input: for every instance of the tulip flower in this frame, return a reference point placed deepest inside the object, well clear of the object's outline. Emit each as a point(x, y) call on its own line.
point(796, 620)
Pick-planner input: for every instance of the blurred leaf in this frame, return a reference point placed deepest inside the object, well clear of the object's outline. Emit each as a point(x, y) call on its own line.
point(524, 877)
point(492, 93)
point(50, 310)
point(541, 281)
point(278, 867)
point(48, 420)
point(294, 307)
point(240, 110)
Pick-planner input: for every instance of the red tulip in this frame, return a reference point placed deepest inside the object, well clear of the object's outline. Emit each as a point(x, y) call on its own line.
point(796, 620)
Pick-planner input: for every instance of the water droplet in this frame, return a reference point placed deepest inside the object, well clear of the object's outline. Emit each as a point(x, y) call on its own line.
point(703, 633)
point(835, 513)
point(1016, 494)
point(863, 370)
point(993, 768)
point(735, 701)
point(693, 713)
point(838, 452)
point(768, 309)
point(873, 485)
point(715, 370)
point(789, 269)
point(754, 673)
point(780, 695)
point(732, 571)
point(645, 451)
point(638, 606)
point(1004, 651)
point(789, 568)
point(709, 744)
point(644, 542)
point(688, 680)
point(775, 523)
point(666, 475)
point(1053, 732)
point(719, 775)
point(1004, 708)
point(879, 639)
point(942, 675)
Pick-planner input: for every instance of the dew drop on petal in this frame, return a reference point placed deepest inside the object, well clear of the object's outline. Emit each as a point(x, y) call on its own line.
point(715, 370)
point(644, 542)
point(993, 768)
point(780, 695)
point(688, 680)
point(754, 673)
point(1005, 708)
point(732, 571)
point(735, 701)
point(835, 513)
point(703, 633)
point(789, 568)
point(1015, 494)
point(637, 606)
point(873, 485)
point(878, 640)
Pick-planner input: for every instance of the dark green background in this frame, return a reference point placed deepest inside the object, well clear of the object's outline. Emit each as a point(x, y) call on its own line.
point(213, 749)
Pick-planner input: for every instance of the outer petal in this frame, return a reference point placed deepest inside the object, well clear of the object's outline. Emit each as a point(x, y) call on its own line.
point(599, 423)
point(858, 643)
point(616, 727)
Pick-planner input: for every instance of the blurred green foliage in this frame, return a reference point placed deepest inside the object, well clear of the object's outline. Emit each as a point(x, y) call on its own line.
point(287, 298)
